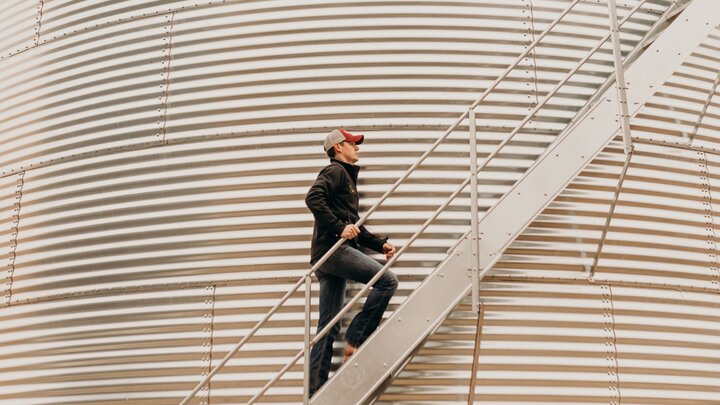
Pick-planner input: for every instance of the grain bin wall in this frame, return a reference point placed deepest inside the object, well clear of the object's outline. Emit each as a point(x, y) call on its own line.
point(155, 156)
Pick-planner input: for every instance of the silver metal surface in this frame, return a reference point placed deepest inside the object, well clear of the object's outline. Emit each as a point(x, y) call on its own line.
point(67, 17)
point(19, 24)
point(558, 342)
point(411, 323)
point(408, 345)
point(118, 348)
point(119, 233)
point(66, 100)
point(360, 222)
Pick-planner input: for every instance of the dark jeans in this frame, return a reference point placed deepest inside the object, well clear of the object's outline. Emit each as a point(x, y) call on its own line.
point(347, 263)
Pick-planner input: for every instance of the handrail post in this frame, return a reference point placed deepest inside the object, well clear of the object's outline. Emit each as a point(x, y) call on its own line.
point(474, 223)
point(620, 76)
point(306, 365)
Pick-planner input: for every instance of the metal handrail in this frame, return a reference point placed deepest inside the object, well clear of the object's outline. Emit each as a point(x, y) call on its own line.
point(450, 199)
point(400, 181)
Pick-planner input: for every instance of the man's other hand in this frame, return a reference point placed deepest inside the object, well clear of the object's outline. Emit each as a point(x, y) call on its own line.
point(389, 250)
point(350, 232)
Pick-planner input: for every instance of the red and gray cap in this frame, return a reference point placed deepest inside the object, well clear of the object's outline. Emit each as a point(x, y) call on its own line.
point(341, 135)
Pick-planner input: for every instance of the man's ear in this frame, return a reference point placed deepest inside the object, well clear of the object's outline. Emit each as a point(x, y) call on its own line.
point(337, 148)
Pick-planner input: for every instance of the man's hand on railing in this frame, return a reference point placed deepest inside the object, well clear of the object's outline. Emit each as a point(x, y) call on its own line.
point(389, 250)
point(350, 232)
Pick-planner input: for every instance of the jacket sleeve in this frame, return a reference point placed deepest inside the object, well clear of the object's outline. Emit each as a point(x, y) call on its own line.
point(319, 194)
point(370, 240)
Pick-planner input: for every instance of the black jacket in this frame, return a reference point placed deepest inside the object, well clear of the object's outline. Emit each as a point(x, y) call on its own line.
point(334, 201)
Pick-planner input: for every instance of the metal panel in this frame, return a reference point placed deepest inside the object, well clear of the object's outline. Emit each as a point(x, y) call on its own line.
point(667, 345)
point(65, 17)
point(88, 93)
point(186, 213)
point(321, 65)
point(281, 65)
point(237, 309)
point(130, 348)
point(251, 77)
point(19, 25)
point(564, 237)
point(661, 228)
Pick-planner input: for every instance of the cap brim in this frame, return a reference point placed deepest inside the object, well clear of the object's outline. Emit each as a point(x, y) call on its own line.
point(358, 139)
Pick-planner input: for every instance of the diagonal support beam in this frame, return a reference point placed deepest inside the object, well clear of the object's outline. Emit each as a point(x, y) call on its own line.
point(387, 349)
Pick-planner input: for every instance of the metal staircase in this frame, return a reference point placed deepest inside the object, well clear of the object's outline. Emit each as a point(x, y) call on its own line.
point(430, 303)
point(392, 345)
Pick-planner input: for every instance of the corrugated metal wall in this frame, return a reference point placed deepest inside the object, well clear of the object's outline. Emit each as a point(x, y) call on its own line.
point(579, 313)
point(155, 156)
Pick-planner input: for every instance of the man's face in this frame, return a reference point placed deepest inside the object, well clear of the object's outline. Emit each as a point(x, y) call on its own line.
point(347, 152)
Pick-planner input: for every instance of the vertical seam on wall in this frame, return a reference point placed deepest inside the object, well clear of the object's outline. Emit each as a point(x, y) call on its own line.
point(610, 345)
point(39, 25)
point(710, 221)
point(212, 343)
point(699, 121)
point(614, 346)
point(207, 338)
point(15, 231)
point(532, 34)
point(166, 83)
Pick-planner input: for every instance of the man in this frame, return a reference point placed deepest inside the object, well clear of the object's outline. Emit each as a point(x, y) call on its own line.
point(333, 200)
